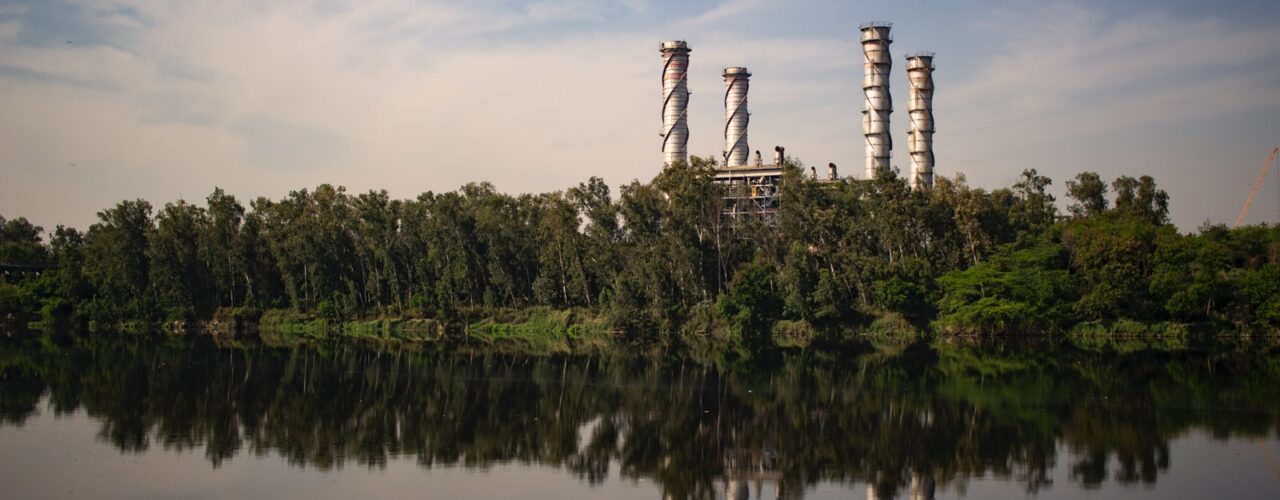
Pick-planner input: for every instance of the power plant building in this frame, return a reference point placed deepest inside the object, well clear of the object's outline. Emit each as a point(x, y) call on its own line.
point(751, 185)
point(751, 191)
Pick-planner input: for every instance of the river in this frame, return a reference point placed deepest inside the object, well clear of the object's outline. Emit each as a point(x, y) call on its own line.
point(163, 417)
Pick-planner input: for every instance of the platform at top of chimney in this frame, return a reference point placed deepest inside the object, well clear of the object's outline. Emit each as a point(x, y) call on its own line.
point(674, 45)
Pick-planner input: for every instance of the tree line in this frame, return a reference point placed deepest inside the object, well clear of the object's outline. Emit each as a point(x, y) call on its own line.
point(661, 260)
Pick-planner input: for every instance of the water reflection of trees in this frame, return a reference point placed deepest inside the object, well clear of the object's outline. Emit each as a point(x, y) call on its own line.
point(943, 413)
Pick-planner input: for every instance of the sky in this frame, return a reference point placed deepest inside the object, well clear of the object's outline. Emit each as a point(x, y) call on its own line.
point(107, 100)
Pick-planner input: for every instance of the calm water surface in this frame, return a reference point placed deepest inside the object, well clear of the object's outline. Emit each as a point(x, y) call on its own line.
point(165, 418)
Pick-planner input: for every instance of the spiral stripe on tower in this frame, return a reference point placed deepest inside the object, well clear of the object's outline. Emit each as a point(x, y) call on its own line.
point(675, 101)
point(736, 117)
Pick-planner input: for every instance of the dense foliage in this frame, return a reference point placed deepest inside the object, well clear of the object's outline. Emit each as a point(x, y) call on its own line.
point(660, 261)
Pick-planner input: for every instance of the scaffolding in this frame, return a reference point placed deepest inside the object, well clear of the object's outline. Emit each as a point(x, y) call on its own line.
point(751, 193)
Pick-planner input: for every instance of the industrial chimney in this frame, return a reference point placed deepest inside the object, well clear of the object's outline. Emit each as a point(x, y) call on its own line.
point(877, 103)
point(736, 117)
point(675, 101)
point(920, 108)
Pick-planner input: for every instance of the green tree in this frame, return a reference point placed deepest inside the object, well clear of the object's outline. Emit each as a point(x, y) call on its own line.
point(798, 281)
point(1034, 209)
point(601, 232)
point(1090, 195)
point(73, 289)
point(1015, 291)
point(751, 302)
point(1113, 257)
point(263, 285)
point(179, 277)
point(1190, 273)
point(116, 263)
point(1141, 199)
point(562, 279)
point(20, 242)
point(219, 245)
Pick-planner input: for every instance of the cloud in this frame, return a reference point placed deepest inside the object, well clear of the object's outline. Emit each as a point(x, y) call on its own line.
point(273, 144)
point(260, 98)
point(1083, 64)
point(1125, 97)
point(725, 10)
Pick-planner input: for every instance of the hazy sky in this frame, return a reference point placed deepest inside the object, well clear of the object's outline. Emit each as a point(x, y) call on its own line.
point(108, 100)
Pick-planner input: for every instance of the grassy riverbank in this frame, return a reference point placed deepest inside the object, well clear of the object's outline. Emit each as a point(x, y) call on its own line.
point(535, 330)
point(547, 331)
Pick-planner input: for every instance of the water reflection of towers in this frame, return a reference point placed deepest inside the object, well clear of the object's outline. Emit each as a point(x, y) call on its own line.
point(748, 467)
point(922, 488)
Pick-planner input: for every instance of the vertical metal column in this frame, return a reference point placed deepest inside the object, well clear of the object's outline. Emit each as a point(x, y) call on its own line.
point(920, 109)
point(736, 117)
point(675, 101)
point(877, 103)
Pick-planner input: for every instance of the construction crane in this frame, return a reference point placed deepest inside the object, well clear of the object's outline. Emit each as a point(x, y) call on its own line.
point(1257, 185)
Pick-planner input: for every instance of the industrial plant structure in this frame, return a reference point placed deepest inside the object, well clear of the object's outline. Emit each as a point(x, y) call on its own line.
point(675, 101)
point(920, 110)
point(751, 186)
point(877, 102)
point(751, 191)
point(736, 82)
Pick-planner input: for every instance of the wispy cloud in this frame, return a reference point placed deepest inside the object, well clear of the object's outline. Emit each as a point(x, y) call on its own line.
point(253, 97)
point(1080, 91)
point(156, 98)
point(724, 10)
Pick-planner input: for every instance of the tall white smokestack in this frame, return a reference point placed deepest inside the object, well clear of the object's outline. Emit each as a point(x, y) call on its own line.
point(675, 101)
point(736, 117)
point(920, 108)
point(877, 103)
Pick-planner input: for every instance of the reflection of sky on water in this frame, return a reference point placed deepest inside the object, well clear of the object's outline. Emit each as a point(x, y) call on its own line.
point(1200, 467)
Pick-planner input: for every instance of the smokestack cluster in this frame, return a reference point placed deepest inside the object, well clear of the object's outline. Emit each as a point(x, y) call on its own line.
point(920, 109)
point(877, 103)
point(877, 64)
point(736, 117)
point(675, 101)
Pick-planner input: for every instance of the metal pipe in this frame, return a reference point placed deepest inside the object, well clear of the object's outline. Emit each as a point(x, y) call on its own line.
point(877, 103)
point(675, 101)
point(736, 118)
point(920, 109)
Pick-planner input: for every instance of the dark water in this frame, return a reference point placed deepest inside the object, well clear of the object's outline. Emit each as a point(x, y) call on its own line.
point(165, 418)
